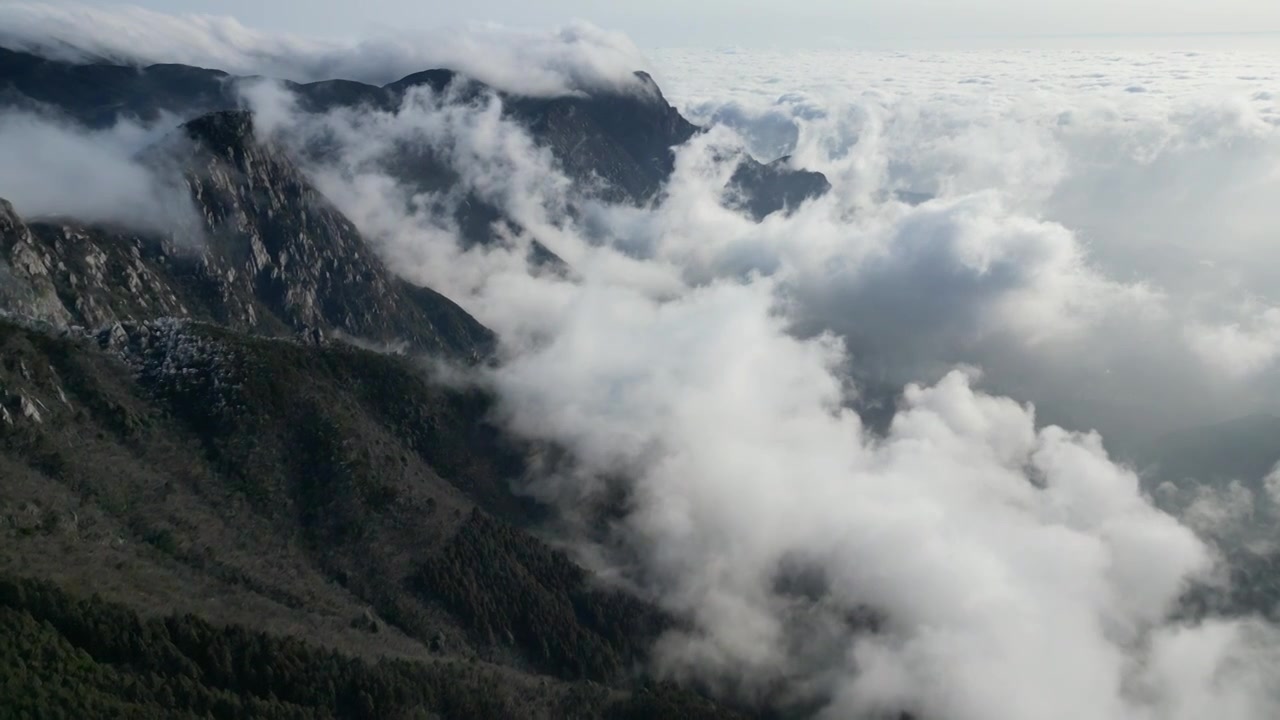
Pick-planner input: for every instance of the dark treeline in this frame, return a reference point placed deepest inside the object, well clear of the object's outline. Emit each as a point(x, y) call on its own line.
point(87, 658)
point(510, 589)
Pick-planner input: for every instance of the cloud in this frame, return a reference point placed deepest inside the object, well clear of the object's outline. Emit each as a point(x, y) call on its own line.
point(1236, 350)
point(704, 365)
point(572, 58)
point(1271, 483)
point(463, 149)
point(1219, 512)
point(1163, 197)
point(55, 169)
point(982, 539)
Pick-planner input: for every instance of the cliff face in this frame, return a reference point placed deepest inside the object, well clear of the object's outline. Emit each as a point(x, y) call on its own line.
point(27, 287)
point(268, 254)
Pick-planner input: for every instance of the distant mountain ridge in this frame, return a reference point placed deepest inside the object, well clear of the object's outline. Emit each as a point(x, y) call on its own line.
point(624, 139)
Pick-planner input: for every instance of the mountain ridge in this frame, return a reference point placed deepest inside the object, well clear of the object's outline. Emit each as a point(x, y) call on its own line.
point(624, 138)
point(189, 428)
point(271, 255)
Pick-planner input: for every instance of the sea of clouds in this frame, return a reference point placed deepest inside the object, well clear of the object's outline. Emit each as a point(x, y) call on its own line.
point(978, 242)
point(866, 449)
point(1160, 167)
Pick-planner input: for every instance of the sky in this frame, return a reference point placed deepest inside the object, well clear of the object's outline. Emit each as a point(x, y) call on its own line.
point(794, 24)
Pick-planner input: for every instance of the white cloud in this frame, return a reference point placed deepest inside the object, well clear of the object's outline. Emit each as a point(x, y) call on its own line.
point(1217, 669)
point(1271, 483)
point(1165, 198)
point(743, 459)
point(55, 169)
point(1239, 350)
point(572, 58)
point(1219, 511)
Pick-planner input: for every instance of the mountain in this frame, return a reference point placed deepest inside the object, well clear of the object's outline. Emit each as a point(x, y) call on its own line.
point(270, 255)
point(766, 189)
point(214, 501)
point(616, 141)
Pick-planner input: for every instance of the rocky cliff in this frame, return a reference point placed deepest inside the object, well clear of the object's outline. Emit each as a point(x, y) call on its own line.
point(268, 254)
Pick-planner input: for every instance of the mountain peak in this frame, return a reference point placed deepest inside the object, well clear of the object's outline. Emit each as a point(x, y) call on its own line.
point(437, 79)
point(8, 216)
point(221, 129)
point(650, 86)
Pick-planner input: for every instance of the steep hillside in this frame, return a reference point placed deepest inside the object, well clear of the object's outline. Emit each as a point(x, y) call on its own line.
point(320, 492)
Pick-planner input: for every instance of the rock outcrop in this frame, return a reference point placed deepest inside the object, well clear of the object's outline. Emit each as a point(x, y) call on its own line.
point(268, 254)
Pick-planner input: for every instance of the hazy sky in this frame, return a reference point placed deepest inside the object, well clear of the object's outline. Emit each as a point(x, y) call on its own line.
point(759, 23)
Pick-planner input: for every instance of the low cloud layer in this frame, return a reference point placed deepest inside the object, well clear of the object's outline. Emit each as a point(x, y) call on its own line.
point(561, 61)
point(54, 169)
point(966, 560)
point(1019, 570)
